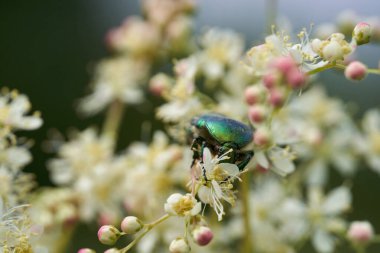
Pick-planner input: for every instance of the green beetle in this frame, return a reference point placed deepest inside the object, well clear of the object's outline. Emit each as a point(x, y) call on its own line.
point(221, 134)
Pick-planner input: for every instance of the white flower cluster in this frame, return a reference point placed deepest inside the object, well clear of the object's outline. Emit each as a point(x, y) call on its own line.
point(262, 105)
point(345, 23)
point(138, 45)
point(15, 225)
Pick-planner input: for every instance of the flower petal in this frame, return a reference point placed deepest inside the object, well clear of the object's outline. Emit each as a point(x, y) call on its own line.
point(337, 201)
point(323, 242)
point(231, 169)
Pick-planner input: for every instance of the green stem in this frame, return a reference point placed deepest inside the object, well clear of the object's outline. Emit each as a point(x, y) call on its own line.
point(113, 119)
point(338, 66)
point(317, 70)
point(148, 227)
point(374, 71)
point(245, 185)
point(64, 239)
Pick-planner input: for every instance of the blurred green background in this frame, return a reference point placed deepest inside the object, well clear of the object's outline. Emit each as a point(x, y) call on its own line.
point(48, 48)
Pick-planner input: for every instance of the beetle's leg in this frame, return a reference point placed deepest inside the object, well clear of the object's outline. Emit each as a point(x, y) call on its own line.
point(201, 160)
point(228, 149)
point(195, 145)
point(199, 143)
point(246, 158)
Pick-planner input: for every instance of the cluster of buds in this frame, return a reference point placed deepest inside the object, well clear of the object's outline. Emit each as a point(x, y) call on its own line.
point(283, 76)
point(201, 234)
point(188, 207)
point(109, 234)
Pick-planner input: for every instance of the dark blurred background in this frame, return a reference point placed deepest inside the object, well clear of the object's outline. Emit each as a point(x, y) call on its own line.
point(48, 48)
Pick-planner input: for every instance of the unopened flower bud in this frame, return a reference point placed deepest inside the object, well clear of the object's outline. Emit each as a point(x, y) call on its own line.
point(112, 250)
point(355, 71)
point(295, 78)
point(114, 39)
point(316, 45)
point(362, 33)
point(256, 113)
point(360, 232)
point(108, 234)
point(131, 225)
point(332, 51)
point(276, 98)
point(261, 137)
point(284, 64)
point(159, 84)
point(179, 245)
point(269, 80)
point(86, 250)
point(253, 94)
point(202, 235)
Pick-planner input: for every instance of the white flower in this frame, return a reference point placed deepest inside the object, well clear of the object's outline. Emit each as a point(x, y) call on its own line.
point(278, 45)
point(280, 160)
point(116, 79)
point(222, 48)
point(324, 216)
point(15, 157)
point(370, 141)
point(13, 108)
point(150, 172)
point(182, 205)
point(215, 180)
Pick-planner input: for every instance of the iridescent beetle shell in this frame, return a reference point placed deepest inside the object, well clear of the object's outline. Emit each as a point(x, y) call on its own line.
point(219, 129)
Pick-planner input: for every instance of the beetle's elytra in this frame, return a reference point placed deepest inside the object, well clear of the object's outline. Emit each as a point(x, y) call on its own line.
point(221, 134)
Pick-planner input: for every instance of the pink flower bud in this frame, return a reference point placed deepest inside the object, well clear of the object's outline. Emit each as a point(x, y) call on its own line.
point(159, 84)
point(114, 39)
point(355, 71)
point(256, 113)
point(86, 250)
point(360, 232)
point(362, 33)
point(202, 235)
point(106, 218)
point(269, 81)
point(276, 98)
point(253, 94)
point(284, 64)
point(296, 78)
point(179, 245)
point(131, 225)
point(261, 137)
point(108, 234)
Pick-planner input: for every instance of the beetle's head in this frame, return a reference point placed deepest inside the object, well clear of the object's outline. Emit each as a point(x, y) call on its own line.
point(191, 130)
